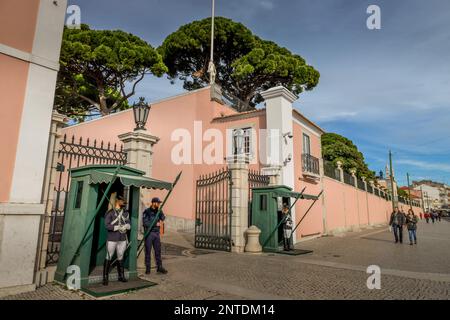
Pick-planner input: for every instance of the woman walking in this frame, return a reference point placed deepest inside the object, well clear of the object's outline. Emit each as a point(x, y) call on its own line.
point(411, 224)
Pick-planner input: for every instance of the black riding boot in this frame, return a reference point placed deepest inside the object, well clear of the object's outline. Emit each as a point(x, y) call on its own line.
point(121, 271)
point(161, 270)
point(106, 267)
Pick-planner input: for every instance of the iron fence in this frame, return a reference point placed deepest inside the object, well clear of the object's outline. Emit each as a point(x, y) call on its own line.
point(331, 171)
point(348, 179)
point(310, 164)
point(75, 153)
point(213, 211)
point(361, 184)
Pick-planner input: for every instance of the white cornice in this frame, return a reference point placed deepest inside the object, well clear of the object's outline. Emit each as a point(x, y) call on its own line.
point(308, 127)
point(279, 91)
point(28, 57)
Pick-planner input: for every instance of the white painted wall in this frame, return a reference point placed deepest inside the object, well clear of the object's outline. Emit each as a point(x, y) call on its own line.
point(36, 117)
point(279, 119)
point(20, 219)
point(279, 122)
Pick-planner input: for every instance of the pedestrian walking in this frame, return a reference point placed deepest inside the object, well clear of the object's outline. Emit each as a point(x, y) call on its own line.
point(152, 226)
point(397, 221)
point(432, 216)
point(411, 224)
point(427, 217)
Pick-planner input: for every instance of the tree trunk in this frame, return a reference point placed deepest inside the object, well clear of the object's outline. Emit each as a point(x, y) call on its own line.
point(104, 110)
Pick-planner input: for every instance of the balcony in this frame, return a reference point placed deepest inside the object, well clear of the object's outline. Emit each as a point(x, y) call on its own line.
point(310, 166)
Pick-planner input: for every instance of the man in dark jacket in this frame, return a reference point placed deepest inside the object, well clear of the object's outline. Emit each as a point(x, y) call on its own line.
point(152, 227)
point(117, 222)
point(397, 221)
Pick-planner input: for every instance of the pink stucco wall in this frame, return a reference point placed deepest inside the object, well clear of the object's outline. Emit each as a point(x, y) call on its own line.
point(313, 222)
point(13, 83)
point(18, 23)
point(347, 207)
point(179, 112)
point(165, 116)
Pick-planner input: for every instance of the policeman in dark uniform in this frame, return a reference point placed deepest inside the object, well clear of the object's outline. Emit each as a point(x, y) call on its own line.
point(117, 222)
point(153, 239)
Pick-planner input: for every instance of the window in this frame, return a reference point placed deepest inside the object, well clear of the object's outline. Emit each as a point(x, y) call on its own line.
point(246, 143)
point(78, 195)
point(306, 144)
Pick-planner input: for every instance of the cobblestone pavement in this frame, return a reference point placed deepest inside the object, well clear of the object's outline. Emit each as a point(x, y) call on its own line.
point(335, 270)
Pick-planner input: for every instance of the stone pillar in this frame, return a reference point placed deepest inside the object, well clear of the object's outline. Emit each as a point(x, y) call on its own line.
point(253, 242)
point(341, 171)
point(274, 174)
point(43, 274)
point(355, 181)
point(216, 93)
point(239, 200)
point(365, 183)
point(355, 178)
point(138, 145)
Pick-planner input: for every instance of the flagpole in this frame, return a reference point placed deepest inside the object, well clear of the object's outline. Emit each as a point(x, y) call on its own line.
point(213, 13)
point(211, 67)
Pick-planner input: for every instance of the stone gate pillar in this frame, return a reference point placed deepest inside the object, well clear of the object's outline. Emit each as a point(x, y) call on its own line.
point(138, 145)
point(238, 165)
point(274, 174)
point(44, 274)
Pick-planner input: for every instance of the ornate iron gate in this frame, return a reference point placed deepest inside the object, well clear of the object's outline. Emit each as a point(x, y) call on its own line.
point(73, 154)
point(213, 211)
point(255, 179)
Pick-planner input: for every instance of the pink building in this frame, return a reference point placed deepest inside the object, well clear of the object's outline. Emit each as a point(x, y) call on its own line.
point(30, 42)
point(278, 140)
point(199, 118)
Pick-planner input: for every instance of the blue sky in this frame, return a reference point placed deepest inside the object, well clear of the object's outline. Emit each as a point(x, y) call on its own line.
point(383, 89)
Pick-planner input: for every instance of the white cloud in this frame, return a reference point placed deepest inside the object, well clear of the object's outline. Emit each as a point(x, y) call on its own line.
point(426, 165)
point(268, 5)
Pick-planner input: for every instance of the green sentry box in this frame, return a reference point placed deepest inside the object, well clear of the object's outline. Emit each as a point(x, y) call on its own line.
point(88, 185)
point(266, 213)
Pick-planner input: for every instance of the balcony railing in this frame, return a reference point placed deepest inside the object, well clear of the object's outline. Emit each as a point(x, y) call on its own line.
point(310, 164)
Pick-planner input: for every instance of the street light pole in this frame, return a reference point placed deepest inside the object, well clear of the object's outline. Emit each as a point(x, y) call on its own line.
point(391, 174)
point(211, 66)
point(409, 191)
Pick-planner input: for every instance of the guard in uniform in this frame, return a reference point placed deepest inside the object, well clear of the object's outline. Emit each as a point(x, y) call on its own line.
point(152, 227)
point(287, 228)
point(117, 222)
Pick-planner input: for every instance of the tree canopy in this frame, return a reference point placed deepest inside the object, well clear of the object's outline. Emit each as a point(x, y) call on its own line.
point(100, 70)
point(338, 148)
point(246, 64)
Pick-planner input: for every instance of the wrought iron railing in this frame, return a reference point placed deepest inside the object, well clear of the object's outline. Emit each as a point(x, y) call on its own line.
point(348, 179)
point(213, 211)
point(331, 171)
point(361, 184)
point(310, 164)
point(75, 153)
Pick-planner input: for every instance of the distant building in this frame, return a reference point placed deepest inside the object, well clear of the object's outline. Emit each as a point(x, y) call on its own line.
point(435, 194)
